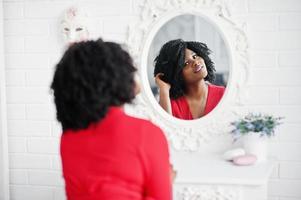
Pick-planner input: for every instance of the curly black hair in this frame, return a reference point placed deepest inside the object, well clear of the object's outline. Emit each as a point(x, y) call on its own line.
point(170, 62)
point(91, 77)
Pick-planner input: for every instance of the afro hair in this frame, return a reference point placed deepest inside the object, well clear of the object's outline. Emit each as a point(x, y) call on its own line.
point(170, 62)
point(91, 77)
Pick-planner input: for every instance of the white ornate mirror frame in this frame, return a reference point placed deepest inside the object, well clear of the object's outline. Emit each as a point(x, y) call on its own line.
point(183, 134)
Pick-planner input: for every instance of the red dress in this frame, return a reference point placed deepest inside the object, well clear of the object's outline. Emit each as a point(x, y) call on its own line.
point(119, 158)
point(180, 107)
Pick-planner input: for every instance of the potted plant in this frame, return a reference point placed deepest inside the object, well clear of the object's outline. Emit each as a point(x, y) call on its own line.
point(255, 129)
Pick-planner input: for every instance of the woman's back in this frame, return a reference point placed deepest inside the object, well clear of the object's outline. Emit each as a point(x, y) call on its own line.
point(106, 155)
point(121, 157)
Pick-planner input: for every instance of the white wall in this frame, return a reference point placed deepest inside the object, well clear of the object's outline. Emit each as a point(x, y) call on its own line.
point(33, 46)
point(4, 190)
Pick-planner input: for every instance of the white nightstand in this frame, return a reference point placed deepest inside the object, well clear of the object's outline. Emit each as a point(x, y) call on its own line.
point(211, 178)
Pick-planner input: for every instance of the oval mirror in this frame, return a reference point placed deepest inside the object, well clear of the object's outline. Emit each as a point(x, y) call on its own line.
point(192, 48)
point(212, 26)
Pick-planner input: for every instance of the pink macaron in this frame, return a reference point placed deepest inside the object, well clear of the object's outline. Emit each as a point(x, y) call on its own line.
point(248, 159)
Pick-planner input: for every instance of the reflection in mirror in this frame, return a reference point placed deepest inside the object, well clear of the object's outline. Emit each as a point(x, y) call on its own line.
point(191, 73)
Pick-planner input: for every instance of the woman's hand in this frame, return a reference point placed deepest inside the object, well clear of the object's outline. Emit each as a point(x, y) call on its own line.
point(173, 174)
point(163, 86)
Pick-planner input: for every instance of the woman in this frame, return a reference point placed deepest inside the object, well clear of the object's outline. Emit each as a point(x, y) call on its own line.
point(183, 71)
point(105, 153)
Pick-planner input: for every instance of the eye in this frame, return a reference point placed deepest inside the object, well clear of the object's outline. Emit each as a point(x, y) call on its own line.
point(194, 56)
point(66, 29)
point(186, 63)
point(79, 29)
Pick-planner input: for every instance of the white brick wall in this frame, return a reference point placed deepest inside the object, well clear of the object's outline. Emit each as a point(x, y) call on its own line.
point(28, 128)
point(33, 47)
point(17, 176)
point(287, 198)
point(267, 6)
point(290, 59)
point(29, 161)
point(276, 41)
point(31, 192)
point(263, 59)
point(13, 10)
point(45, 178)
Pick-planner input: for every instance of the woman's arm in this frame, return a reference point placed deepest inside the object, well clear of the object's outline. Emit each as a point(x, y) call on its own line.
point(158, 177)
point(164, 99)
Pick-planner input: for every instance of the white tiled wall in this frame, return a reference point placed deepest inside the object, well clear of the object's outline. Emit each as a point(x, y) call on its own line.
point(33, 46)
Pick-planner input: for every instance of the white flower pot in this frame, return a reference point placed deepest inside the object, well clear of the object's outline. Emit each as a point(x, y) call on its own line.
point(256, 145)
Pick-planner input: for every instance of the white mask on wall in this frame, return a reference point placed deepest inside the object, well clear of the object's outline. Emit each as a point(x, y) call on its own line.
point(73, 26)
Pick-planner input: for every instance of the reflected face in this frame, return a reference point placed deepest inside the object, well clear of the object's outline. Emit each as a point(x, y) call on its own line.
point(194, 67)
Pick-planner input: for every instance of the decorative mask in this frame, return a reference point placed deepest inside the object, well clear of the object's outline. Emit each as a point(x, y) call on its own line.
point(73, 26)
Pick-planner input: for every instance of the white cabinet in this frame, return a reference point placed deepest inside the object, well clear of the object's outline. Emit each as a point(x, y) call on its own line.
point(211, 178)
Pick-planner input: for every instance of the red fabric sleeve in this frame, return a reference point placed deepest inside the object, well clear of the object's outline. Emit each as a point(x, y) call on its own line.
point(156, 157)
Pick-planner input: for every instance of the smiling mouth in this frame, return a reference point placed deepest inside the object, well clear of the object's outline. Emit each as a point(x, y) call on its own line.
point(198, 68)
